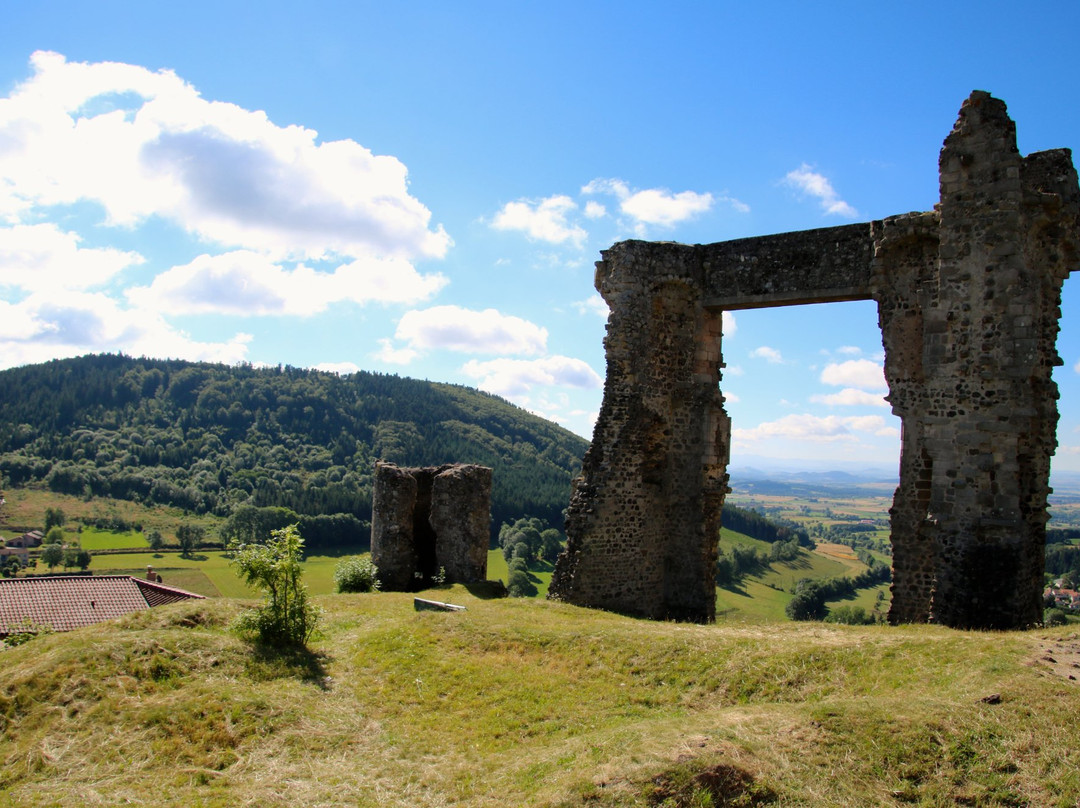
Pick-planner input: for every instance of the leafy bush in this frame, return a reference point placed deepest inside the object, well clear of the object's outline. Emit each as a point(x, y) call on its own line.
point(287, 617)
point(849, 616)
point(356, 575)
point(1055, 617)
point(520, 586)
point(808, 603)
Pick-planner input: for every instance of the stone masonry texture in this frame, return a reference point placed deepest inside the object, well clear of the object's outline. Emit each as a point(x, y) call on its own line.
point(969, 300)
point(427, 521)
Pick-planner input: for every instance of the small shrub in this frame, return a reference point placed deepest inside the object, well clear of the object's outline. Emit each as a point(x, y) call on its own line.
point(849, 616)
point(1054, 617)
point(356, 575)
point(287, 617)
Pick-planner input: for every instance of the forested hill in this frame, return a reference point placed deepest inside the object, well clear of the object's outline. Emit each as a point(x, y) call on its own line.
point(208, 437)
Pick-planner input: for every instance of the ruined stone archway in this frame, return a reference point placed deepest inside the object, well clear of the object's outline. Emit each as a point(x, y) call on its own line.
point(968, 298)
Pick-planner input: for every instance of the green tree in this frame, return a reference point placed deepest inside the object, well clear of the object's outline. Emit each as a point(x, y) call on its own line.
point(76, 556)
point(55, 535)
point(808, 603)
point(551, 544)
point(54, 517)
point(189, 537)
point(155, 540)
point(52, 555)
point(520, 586)
point(287, 616)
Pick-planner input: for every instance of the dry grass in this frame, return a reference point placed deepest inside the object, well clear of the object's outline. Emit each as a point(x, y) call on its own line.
point(534, 703)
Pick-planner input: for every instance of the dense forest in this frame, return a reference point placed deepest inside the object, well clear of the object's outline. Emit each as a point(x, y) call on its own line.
point(211, 438)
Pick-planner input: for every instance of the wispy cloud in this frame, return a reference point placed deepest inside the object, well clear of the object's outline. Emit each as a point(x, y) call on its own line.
point(812, 428)
point(658, 207)
point(807, 181)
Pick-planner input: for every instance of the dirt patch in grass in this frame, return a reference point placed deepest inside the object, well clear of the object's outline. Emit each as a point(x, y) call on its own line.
point(1060, 656)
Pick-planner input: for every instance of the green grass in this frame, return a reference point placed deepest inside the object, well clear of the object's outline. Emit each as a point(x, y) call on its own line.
point(214, 566)
point(530, 703)
point(539, 572)
point(93, 539)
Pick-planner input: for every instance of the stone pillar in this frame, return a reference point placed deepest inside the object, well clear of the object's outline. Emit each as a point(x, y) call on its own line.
point(643, 522)
point(393, 500)
point(969, 299)
point(461, 518)
point(427, 520)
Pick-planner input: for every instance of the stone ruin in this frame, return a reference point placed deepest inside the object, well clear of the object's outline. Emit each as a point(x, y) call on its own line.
point(429, 521)
point(968, 298)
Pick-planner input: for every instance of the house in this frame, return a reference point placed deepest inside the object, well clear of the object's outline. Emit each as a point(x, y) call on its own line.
point(66, 602)
point(20, 553)
point(33, 538)
point(1064, 598)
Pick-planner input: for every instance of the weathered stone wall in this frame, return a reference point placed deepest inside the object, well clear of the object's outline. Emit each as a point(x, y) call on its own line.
point(968, 301)
point(425, 520)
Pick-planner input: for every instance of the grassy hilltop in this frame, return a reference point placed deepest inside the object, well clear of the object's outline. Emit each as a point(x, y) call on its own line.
point(530, 703)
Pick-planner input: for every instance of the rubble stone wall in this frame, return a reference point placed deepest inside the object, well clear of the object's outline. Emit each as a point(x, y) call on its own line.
point(427, 520)
point(968, 298)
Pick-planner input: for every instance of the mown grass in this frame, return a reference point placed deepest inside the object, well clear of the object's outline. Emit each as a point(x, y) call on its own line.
point(214, 566)
point(526, 702)
point(93, 539)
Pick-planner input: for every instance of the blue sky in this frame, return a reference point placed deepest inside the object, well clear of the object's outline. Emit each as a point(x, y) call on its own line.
point(422, 188)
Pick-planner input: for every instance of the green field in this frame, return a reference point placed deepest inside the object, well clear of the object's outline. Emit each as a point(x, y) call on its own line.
point(93, 539)
point(209, 572)
point(759, 598)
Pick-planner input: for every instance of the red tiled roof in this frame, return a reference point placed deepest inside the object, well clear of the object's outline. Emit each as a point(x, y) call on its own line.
point(68, 602)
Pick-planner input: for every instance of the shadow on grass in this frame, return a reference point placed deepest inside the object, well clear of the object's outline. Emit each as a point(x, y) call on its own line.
point(192, 557)
point(734, 589)
point(487, 590)
point(268, 662)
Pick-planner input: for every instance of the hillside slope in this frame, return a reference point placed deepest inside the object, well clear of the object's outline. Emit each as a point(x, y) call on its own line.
point(530, 703)
point(207, 437)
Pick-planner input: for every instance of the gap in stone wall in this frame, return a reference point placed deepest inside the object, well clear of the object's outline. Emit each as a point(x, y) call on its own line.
point(1067, 377)
point(785, 414)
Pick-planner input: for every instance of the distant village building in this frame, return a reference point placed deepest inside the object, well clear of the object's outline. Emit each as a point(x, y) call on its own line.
point(33, 538)
point(1063, 598)
point(67, 602)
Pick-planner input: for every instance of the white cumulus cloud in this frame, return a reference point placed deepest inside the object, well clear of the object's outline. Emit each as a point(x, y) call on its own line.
point(142, 143)
point(545, 220)
point(770, 355)
point(807, 181)
point(394, 355)
point(859, 373)
point(37, 257)
point(657, 206)
point(812, 428)
point(61, 323)
point(850, 397)
point(247, 283)
point(593, 305)
point(515, 377)
point(454, 328)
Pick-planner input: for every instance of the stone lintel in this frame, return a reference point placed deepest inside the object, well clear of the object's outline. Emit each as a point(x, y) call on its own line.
point(786, 269)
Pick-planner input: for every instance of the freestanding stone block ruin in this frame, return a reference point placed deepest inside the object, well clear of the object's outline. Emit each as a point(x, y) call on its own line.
point(968, 299)
point(424, 520)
